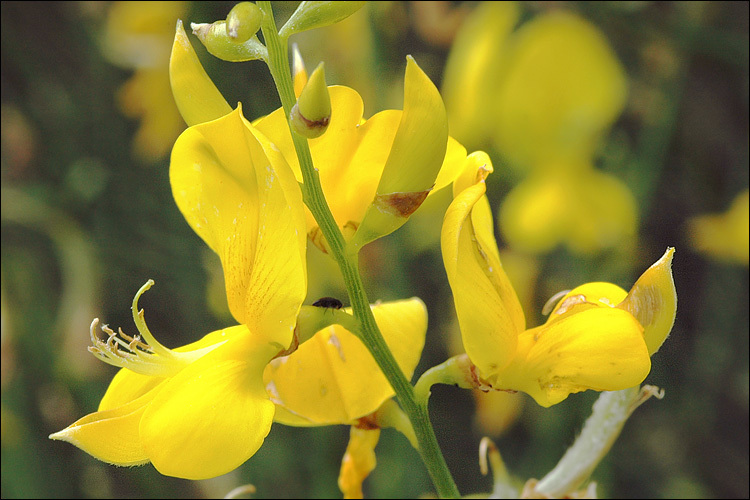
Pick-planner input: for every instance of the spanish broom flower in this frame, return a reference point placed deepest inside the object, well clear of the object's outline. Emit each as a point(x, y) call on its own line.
point(202, 410)
point(598, 336)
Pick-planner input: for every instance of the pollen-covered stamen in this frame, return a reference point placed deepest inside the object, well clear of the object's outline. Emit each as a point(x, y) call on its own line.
point(141, 353)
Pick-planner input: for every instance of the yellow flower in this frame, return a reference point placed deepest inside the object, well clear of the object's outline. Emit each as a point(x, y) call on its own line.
point(724, 236)
point(544, 96)
point(202, 410)
point(598, 337)
point(353, 153)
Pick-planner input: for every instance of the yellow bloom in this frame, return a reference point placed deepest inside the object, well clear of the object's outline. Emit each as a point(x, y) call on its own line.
point(543, 96)
point(598, 337)
point(724, 236)
point(202, 410)
point(353, 153)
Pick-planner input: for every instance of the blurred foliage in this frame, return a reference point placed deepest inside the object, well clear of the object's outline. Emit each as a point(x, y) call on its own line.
point(87, 219)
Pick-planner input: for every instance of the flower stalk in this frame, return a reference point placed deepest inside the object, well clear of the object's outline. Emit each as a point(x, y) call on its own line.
point(278, 63)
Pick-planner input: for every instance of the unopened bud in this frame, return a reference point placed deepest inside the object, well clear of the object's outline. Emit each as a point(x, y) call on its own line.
point(243, 21)
point(216, 39)
point(310, 15)
point(312, 112)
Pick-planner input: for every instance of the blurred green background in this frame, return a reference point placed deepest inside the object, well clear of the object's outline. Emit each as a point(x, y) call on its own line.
point(87, 218)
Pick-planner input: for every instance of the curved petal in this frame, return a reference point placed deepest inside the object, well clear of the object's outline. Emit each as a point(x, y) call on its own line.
point(214, 415)
point(239, 195)
point(489, 313)
point(562, 88)
point(419, 145)
point(196, 96)
point(601, 348)
point(653, 301)
point(111, 435)
point(333, 379)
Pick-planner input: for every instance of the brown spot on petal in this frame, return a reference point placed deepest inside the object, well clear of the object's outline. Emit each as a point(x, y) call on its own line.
point(402, 204)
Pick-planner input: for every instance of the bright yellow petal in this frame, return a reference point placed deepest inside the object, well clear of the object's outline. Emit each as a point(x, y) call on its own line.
point(419, 146)
point(488, 309)
point(601, 348)
point(359, 460)
point(214, 415)
point(333, 379)
point(128, 385)
point(562, 88)
point(111, 435)
point(240, 196)
point(474, 68)
point(196, 96)
point(653, 301)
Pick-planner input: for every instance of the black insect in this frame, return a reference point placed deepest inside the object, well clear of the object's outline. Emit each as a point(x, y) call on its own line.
point(328, 303)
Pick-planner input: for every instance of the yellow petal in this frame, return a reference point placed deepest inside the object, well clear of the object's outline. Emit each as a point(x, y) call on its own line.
point(489, 313)
point(240, 196)
point(351, 155)
point(474, 68)
point(562, 88)
point(601, 348)
point(653, 301)
point(359, 460)
point(214, 415)
point(111, 435)
point(127, 385)
point(333, 379)
point(196, 96)
point(420, 143)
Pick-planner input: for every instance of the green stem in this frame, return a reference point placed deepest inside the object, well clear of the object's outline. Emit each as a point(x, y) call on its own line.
point(278, 63)
point(601, 430)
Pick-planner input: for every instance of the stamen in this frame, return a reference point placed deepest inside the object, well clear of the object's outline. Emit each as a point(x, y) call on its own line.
point(552, 302)
point(141, 353)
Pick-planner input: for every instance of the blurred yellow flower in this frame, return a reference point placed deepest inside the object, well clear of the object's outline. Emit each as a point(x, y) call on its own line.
point(543, 96)
point(598, 337)
point(724, 236)
point(137, 36)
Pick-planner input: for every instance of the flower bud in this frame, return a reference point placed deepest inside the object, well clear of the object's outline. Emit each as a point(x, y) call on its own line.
point(243, 21)
point(312, 112)
point(311, 15)
point(215, 37)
